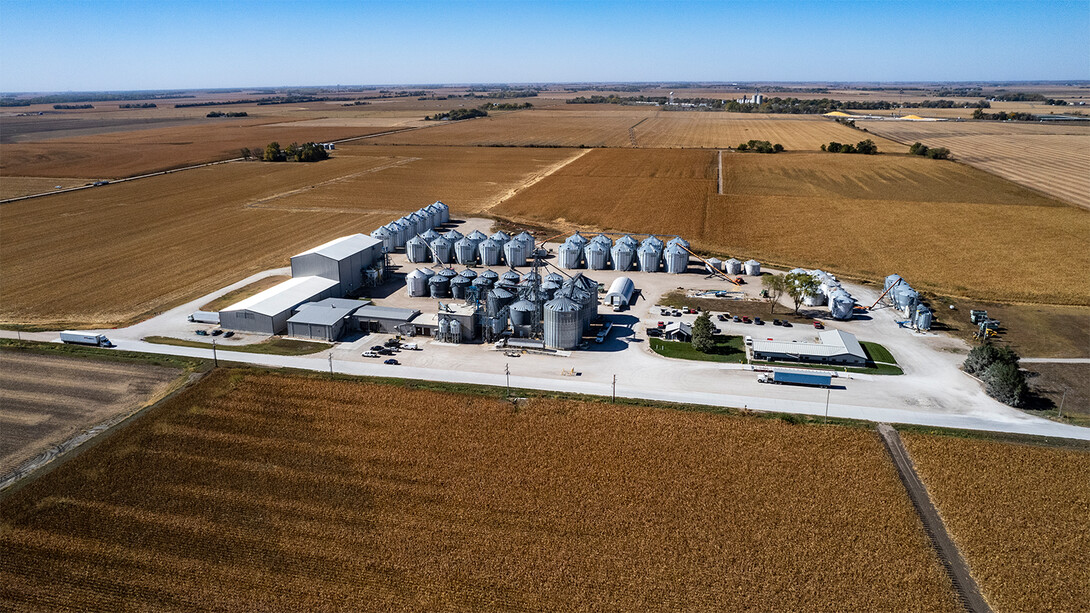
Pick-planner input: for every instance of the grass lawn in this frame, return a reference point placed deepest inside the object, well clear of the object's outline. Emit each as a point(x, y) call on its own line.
point(275, 345)
point(727, 349)
point(877, 353)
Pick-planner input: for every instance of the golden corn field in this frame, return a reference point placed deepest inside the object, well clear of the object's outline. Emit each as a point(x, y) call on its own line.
point(262, 491)
point(939, 223)
point(117, 252)
point(1018, 513)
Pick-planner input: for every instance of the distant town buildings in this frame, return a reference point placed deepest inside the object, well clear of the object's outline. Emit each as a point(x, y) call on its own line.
point(756, 99)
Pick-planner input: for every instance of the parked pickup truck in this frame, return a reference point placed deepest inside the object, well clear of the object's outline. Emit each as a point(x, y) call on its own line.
point(84, 338)
point(797, 378)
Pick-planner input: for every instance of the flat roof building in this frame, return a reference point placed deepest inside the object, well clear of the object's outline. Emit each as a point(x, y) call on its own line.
point(342, 260)
point(387, 320)
point(268, 312)
point(836, 347)
point(325, 320)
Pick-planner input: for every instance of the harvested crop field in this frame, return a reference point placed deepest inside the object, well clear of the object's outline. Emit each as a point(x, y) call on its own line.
point(937, 223)
point(633, 127)
point(45, 400)
point(1019, 515)
point(1054, 159)
point(12, 187)
point(117, 252)
point(258, 491)
point(126, 154)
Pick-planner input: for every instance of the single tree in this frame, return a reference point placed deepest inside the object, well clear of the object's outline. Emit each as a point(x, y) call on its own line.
point(798, 286)
point(866, 147)
point(774, 288)
point(1006, 383)
point(246, 154)
point(702, 333)
point(273, 153)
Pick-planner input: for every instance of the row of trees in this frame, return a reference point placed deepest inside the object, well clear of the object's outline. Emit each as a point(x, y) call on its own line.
point(307, 152)
point(506, 106)
point(760, 146)
point(222, 114)
point(72, 107)
point(457, 115)
point(137, 105)
point(1003, 116)
point(935, 153)
point(998, 368)
point(866, 147)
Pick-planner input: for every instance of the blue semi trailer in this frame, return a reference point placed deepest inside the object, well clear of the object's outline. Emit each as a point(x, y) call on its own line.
point(797, 378)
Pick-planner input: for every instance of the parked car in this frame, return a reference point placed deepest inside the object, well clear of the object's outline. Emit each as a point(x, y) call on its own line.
point(664, 312)
point(690, 311)
point(776, 322)
point(217, 332)
point(746, 320)
point(662, 324)
point(370, 354)
point(721, 317)
point(377, 348)
point(786, 324)
point(393, 342)
point(818, 325)
point(385, 351)
point(676, 313)
point(654, 332)
point(202, 332)
point(749, 340)
point(228, 334)
point(737, 319)
point(757, 320)
point(391, 362)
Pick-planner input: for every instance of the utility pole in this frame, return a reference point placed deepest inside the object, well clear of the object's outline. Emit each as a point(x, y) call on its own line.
point(614, 389)
point(1059, 411)
point(215, 359)
point(331, 362)
point(507, 371)
point(828, 392)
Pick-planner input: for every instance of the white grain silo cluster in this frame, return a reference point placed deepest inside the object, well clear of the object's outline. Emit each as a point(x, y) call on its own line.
point(907, 300)
point(624, 253)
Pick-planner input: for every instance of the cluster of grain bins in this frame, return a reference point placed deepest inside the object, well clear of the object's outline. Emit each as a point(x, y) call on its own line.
point(733, 266)
point(333, 270)
point(400, 232)
point(626, 254)
point(907, 300)
point(474, 248)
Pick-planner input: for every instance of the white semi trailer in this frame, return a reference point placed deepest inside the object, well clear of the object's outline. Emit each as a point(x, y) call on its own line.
point(85, 338)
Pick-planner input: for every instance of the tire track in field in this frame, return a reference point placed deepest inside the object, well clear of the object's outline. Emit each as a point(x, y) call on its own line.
point(263, 203)
point(951, 558)
point(532, 180)
point(632, 133)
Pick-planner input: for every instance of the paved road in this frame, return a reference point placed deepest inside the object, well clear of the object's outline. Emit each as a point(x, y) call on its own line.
point(1055, 360)
point(951, 557)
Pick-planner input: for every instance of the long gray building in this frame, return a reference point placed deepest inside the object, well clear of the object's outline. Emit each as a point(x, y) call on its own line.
point(836, 347)
point(342, 260)
point(325, 320)
point(268, 312)
point(388, 320)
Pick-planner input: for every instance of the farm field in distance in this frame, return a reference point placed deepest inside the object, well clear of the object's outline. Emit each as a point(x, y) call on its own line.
point(939, 224)
point(147, 245)
point(45, 399)
point(1054, 159)
point(1018, 513)
point(276, 491)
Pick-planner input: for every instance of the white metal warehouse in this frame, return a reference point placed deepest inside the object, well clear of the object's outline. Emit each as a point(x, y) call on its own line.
point(268, 311)
point(342, 259)
point(836, 347)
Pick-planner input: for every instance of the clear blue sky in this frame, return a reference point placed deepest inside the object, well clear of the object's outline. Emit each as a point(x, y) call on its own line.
point(167, 44)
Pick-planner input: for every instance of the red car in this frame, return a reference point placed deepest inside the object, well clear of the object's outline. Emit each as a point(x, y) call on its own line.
point(745, 319)
point(818, 325)
point(662, 324)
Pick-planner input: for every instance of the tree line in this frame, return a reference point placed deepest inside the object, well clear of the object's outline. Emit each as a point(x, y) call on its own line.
point(138, 105)
point(457, 115)
point(935, 153)
point(307, 152)
point(72, 107)
point(866, 147)
point(760, 146)
point(222, 114)
point(1003, 116)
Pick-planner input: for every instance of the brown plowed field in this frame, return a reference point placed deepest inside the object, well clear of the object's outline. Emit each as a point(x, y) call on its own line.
point(1054, 159)
point(45, 400)
point(651, 128)
point(1018, 514)
point(264, 492)
point(110, 254)
point(126, 154)
point(946, 227)
point(12, 187)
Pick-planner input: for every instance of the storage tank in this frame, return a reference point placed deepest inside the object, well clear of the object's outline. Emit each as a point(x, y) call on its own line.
point(530, 279)
point(522, 313)
point(526, 238)
point(500, 237)
point(455, 331)
point(439, 286)
point(624, 254)
point(458, 287)
point(417, 283)
point(429, 235)
point(510, 277)
point(497, 299)
point(444, 328)
point(842, 307)
point(515, 252)
point(490, 250)
point(490, 275)
point(449, 273)
point(548, 288)
point(628, 240)
point(453, 236)
point(465, 251)
point(477, 237)
point(890, 280)
point(408, 230)
point(677, 259)
point(650, 257)
point(713, 264)
point(444, 211)
point(469, 274)
point(923, 318)
point(677, 240)
point(563, 328)
point(578, 240)
point(732, 267)
point(484, 283)
point(815, 299)
point(388, 238)
point(597, 255)
point(442, 250)
point(416, 248)
point(654, 241)
point(420, 222)
point(753, 268)
point(570, 255)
